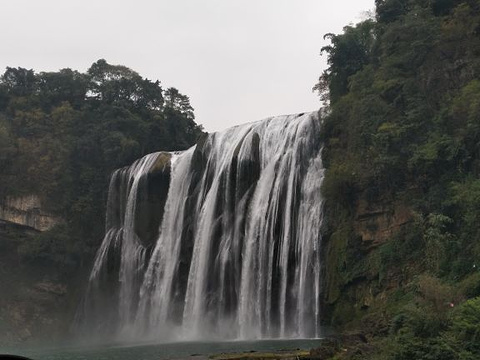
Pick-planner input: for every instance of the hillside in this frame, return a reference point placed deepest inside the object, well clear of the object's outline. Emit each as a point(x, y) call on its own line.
point(402, 152)
point(61, 136)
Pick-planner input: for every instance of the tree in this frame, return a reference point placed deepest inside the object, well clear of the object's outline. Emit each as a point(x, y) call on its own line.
point(63, 86)
point(119, 84)
point(347, 55)
point(19, 81)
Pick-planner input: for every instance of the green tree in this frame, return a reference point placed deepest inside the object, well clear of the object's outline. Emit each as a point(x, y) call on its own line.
point(19, 81)
point(63, 133)
point(347, 54)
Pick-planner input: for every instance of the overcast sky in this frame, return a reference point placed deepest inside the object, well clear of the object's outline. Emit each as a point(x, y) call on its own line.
point(238, 60)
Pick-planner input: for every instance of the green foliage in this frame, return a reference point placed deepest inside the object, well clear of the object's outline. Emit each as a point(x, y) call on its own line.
point(438, 241)
point(409, 347)
point(420, 333)
point(403, 127)
point(470, 285)
point(54, 246)
point(340, 184)
point(19, 81)
point(347, 55)
point(405, 247)
point(465, 328)
point(398, 127)
point(63, 133)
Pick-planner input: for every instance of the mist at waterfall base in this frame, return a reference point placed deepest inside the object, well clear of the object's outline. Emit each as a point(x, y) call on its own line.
point(219, 242)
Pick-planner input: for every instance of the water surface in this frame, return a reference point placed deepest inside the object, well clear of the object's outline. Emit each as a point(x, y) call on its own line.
point(164, 351)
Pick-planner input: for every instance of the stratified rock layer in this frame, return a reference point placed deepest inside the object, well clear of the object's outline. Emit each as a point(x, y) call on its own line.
point(28, 211)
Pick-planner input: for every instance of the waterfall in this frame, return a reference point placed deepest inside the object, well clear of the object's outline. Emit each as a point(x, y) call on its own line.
point(221, 241)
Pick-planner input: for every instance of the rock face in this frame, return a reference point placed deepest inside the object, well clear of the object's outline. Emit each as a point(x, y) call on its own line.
point(28, 211)
point(151, 199)
point(376, 223)
point(35, 301)
point(355, 277)
point(35, 314)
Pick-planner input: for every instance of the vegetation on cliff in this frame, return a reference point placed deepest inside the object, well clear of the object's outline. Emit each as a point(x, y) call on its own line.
point(61, 136)
point(62, 133)
point(402, 149)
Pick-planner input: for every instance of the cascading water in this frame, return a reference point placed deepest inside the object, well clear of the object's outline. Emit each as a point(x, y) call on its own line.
point(221, 241)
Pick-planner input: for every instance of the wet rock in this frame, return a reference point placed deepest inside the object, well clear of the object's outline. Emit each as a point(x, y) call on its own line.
point(247, 166)
point(344, 346)
point(151, 198)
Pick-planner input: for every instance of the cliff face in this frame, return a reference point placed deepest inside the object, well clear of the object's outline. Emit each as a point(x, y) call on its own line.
point(357, 279)
point(375, 223)
point(35, 299)
point(28, 211)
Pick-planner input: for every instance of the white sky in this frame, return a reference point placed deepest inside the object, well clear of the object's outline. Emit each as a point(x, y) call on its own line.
point(238, 60)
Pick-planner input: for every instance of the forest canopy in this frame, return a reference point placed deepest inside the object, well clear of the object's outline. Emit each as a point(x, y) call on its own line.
point(63, 133)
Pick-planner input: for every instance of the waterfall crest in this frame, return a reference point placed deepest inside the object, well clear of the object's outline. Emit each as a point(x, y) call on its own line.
point(221, 241)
